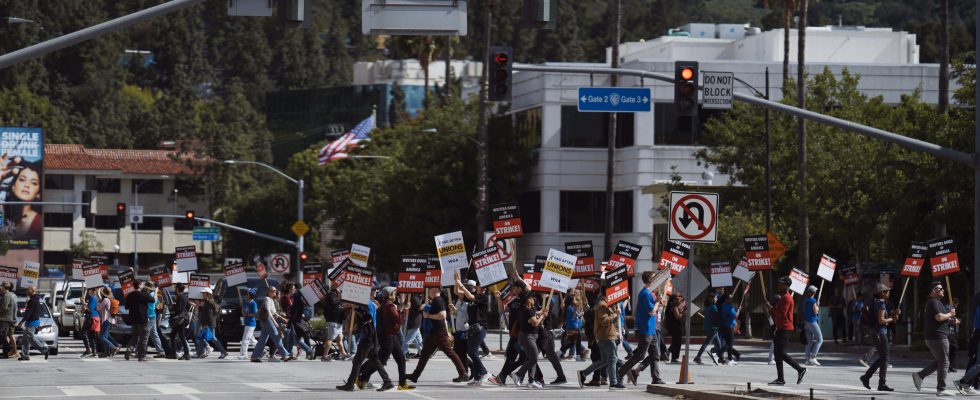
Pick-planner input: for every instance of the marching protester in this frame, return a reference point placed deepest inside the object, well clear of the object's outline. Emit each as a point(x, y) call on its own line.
point(90, 315)
point(646, 335)
point(573, 331)
point(856, 310)
point(390, 319)
point(30, 322)
point(529, 319)
point(937, 321)
point(366, 357)
point(299, 327)
point(206, 318)
point(782, 314)
point(460, 319)
point(811, 326)
point(953, 331)
point(515, 356)
point(8, 314)
point(729, 319)
point(712, 326)
point(178, 322)
point(673, 323)
point(137, 302)
point(434, 311)
point(333, 313)
point(546, 339)
point(605, 335)
point(270, 328)
point(883, 318)
point(105, 309)
point(249, 311)
point(413, 325)
point(477, 311)
point(153, 323)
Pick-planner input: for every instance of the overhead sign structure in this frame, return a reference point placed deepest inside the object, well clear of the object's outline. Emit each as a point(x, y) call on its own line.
point(32, 272)
point(207, 234)
point(558, 270)
point(584, 258)
point(626, 253)
point(798, 281)
point(507, 221)
point(721, 274)
point(8, 275)
point(186, 258)
point(942, 257)
point(693, 217)
point(451, 251)
point(718, 89)
point(413, 17)
point(489, 267)
point(614, 99)
point(915, 260)
point(411, 277)
point(675, 256)
point(198, 283)
point(357, 285)
point(235, 274)
point(757, 253)
point(359, 255)
point(827, 267)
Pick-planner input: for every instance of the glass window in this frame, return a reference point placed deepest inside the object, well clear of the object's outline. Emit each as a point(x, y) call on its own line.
point(671, 129)
point(530, 204)
point(150, 224)
point(582, 211)
point(102, 185)
point(589, 130)
point(59, 181)
point(57, 220)
point(103, 222)
point(182, 224)
point(148, 186)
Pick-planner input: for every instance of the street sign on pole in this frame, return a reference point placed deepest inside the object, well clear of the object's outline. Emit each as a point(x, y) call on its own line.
point(614, 99)
point(693, 217)
point(413, 17)
point(136, 214)
point(718, 90)
point(300, 228)
point(206, 234)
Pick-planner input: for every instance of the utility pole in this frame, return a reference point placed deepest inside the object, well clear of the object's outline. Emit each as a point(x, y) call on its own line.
point(804, 229)
point(481, 126)
point(611, 145)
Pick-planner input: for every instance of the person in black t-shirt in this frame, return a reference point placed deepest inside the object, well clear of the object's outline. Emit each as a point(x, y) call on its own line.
point(882, 318)
point(529, 319)
point(333, 313)
point(412, 327)
point(477, 311)
point(434, 312)
point(937, 321)
point(546, 341)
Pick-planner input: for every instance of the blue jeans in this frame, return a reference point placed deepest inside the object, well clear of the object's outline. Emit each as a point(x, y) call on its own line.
point(104, 336)
point(295, 340)
point(31, 339)
point(709, 338)
point(269, 332)
point(814, 338)
point(473, 350)
point(413, 336)
point(607, 360)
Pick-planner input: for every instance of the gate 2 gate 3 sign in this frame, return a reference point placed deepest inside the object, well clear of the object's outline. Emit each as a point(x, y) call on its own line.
point(693, 217)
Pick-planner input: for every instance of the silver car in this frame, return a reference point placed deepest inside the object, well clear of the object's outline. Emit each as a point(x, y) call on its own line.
point(48, 332)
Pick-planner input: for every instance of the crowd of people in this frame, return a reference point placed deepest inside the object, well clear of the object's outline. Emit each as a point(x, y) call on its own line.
point(586, 327)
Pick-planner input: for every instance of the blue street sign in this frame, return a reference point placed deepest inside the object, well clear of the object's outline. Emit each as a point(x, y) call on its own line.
point(207, 234)
point(614, 99)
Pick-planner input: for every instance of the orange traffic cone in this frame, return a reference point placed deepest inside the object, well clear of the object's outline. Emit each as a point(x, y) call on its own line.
point(685, 377)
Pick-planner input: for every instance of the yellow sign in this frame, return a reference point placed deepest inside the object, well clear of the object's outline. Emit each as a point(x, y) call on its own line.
point(300, 228)
point(776, 248)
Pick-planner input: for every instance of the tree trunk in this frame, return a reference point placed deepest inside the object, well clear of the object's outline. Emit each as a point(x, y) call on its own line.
point(611, 145)
point(787, 25)
point(447, 89)
point(804, 230)
point(481, 125)
point(944, 56)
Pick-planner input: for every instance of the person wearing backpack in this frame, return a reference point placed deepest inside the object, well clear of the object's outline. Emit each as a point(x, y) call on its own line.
point(105, 309)
point(299, 327)
point(880, 339)
point(178, 322)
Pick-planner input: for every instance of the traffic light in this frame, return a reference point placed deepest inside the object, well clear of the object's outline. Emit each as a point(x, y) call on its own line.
point(121, 215)
point(501, 73)
point(541, 14)
point(189, 215)
point(686, 88)
point(303, 257)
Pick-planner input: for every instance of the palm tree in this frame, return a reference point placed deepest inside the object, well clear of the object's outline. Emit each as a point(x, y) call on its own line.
point(424, 49)
point(788, 6)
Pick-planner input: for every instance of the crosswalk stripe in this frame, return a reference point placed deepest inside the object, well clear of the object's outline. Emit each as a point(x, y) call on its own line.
point(96, 359)
point(275, 387)
point(173, 388)
point(81, 391)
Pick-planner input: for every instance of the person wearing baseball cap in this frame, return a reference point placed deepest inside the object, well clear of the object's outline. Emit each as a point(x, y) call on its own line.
point(782, 315)
point(811, 326)
point(249, 310)
point(882, 318)
point(937, 320)
point(477, 311)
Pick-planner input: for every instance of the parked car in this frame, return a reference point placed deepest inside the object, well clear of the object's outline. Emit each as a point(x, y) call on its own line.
point(230, 318)
point(64, 305)
point(48, 332)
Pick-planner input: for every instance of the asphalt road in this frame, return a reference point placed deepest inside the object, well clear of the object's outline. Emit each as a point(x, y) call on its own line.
point(66, 375)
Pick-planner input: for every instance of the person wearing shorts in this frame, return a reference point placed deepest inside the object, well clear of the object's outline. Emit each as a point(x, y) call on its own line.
point(334, 314)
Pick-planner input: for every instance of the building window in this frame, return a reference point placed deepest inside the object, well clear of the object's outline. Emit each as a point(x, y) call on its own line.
point(671, 129)
point(150, 224)
point(57, 220)
point(102, 185)
point(582, 211)
point(590, 130)
point(182, 224)
point(59, 182)
point(148, 186)
point(103, 222)
point(530, 204)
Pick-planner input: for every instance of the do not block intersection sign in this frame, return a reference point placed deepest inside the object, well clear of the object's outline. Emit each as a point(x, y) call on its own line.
point(693, 217)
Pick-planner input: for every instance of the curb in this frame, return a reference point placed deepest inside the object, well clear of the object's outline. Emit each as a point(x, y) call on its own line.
point(715, 394)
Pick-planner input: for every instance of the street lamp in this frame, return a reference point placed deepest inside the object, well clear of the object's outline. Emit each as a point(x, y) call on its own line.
point(483, 178)
point(299, 208)
point(136, 230)
point(16, 20)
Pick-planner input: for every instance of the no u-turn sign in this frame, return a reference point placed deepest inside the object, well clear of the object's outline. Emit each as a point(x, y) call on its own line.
point(693, 217)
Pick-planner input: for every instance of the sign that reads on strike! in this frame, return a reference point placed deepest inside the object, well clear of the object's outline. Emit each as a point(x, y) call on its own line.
point(742, 271)
point(507, 221)
point(618, 289)
point(76, 269)
point(489, 266)
point(675, 256)
point(312, 271)
point(8, 275)
point(93, 275)
point(127, 281)
point(186, 258)
point(433, 274)
point(338, 256)
point(721, 274)
point(160, 275)
point(558, 270)
point(915, 260)
point(411, 278)
point(313, 292)
point(757, 253)
point(336, 275)
point(532, 274)
point(357, 285)
point(827, 267)
point(850, 276)
point(198, 283)
point(626, 254)
point(584, 258)
point(588, 285)
point(235, 274)
point(799, 280)
point(942, 256)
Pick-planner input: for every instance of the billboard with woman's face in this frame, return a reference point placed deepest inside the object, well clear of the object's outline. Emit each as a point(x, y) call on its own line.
point(21, 179)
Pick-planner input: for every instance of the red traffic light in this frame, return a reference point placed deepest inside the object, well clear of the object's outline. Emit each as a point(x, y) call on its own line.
point(189, 214)
point(687, 73)
point(501, 58)
point(303, 256)
point(121, 207)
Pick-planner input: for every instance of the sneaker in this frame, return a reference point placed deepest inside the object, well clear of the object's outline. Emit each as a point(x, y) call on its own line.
point(631, 375)
point(159, 355)
point(461, 379)
point(962, 387)
point(495, 380)
point(405, 386)
point(593, 382)
point(488, 356)
point(558, 381)
point(777, 382)
point(732, 362)
point(581, 379)
point(346, 387)
point(738, 356)
point(534, 385)
point(946, 393)
point(412, 377)
point(885, 388)
point(256, 360)
point(917, 381)
point(813, 361)
point(23, 358)
point(658, 382)
point(46, 353)
point(386, 387)
point(864, 363)
point(771, 362)
point(697, 360)
point(618, 386)
point(223, 356)
point(799, 375)
point(513, 377)
point(713, 359)
point(866, 381)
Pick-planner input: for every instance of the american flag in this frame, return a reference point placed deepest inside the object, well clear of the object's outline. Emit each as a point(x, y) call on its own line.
point(337, 149)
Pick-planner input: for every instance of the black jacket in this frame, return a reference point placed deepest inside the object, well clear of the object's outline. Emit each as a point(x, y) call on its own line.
point(137, 303)
point(33, 311)
point(181, 307)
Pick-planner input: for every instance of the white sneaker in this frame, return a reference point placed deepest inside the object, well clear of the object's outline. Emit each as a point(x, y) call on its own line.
point(917, 381)
point(771, 362)
point(813, 361)
point(946, 393)
point(969, 391)
point(732, 362)
point(534, 385)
